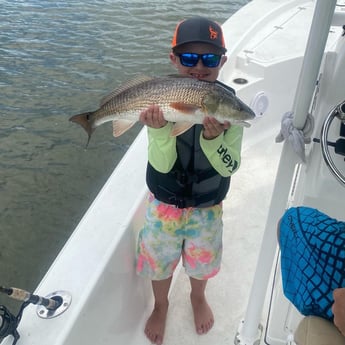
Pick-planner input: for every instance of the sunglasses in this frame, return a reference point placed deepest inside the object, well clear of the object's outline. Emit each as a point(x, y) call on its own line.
point(192, 59)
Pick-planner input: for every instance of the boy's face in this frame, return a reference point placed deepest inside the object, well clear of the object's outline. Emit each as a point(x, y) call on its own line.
point(199, 71)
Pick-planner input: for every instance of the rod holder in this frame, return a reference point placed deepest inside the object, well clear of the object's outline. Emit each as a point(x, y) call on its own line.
point(64, 299)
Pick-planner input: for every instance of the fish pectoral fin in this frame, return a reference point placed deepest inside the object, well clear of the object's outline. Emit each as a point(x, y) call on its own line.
point(184, 108)
point(180, 127)
point(121, 126)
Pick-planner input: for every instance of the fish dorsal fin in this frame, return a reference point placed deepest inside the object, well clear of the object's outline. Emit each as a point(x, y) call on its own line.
point(121, 126)
point(184, 108)
point(180, 127)
point(125, 86)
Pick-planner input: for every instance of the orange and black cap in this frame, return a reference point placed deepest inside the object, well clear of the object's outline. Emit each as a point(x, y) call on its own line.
point(199, 29)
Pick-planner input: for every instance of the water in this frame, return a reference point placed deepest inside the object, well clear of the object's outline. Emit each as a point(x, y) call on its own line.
point(58, 58)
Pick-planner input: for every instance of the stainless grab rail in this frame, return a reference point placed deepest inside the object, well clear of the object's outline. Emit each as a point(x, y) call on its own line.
point(339, 112)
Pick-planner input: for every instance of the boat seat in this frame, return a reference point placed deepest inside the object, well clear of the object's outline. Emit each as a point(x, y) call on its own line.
point(314, 330)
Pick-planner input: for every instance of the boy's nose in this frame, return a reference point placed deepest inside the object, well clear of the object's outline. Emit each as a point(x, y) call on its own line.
point(199, 64)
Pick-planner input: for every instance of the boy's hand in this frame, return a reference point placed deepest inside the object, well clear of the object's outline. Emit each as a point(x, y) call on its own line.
point(338, 309)
point(213, 128)
point(153, 117)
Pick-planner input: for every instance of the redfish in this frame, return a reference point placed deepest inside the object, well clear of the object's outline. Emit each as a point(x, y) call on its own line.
point(184, 100)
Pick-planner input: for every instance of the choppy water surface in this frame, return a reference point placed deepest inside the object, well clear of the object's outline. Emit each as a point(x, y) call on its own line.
point(58, 58)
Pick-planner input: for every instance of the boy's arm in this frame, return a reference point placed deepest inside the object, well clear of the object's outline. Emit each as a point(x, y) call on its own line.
point(162, 148)
point(224, 151)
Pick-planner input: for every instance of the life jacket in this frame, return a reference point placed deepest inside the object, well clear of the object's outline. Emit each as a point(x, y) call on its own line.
point(192, 182)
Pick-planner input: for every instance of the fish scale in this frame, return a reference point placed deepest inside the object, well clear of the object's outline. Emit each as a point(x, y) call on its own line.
point(184, 100)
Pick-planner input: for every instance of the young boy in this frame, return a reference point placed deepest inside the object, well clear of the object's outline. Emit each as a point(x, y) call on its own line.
point(188, 177)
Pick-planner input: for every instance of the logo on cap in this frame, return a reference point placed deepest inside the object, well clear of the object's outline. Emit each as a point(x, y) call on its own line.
point(213, 33)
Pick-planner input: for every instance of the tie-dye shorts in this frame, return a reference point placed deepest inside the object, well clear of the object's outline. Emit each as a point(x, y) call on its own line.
point(169, 233)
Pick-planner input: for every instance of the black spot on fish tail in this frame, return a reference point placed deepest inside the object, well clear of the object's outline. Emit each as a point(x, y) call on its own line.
point(84, 120)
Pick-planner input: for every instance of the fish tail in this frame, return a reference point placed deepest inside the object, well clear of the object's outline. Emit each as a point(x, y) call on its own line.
point(84, 121)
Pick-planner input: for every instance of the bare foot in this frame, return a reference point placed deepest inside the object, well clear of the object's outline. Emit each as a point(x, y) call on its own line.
point(155, 324)
point(203, 316)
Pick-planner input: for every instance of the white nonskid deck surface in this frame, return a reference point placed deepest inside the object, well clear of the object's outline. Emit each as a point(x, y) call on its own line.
point(228, 292)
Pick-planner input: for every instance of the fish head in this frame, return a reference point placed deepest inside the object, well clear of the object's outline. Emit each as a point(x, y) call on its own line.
point(226, 106)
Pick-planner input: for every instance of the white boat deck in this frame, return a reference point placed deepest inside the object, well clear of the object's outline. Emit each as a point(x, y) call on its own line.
point(110, 304)
point(228, 292)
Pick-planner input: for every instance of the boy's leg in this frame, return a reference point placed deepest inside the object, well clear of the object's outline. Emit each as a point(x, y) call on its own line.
point(155, 324)
point(203, 316)
point(202, 253)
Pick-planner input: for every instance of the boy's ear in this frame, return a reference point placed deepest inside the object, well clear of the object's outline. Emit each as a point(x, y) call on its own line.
point(173, 58)
point(224, 59)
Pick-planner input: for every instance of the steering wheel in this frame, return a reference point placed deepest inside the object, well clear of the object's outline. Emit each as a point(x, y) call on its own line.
point(339, 112)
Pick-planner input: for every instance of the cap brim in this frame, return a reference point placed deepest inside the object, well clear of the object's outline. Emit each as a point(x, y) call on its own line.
point(221, 49)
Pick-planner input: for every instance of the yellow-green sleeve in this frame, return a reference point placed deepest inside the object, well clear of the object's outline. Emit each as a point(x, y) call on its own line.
point(224, 152)
point(162, 148)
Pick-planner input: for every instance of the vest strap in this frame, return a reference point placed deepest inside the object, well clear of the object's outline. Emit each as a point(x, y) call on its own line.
point(204, 200)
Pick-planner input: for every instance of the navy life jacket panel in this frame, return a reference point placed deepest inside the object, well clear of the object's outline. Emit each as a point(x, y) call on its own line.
point(192, 182)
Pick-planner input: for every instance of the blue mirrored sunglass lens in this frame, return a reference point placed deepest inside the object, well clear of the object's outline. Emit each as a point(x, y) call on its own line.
point(191, 59)
point(210, 60)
